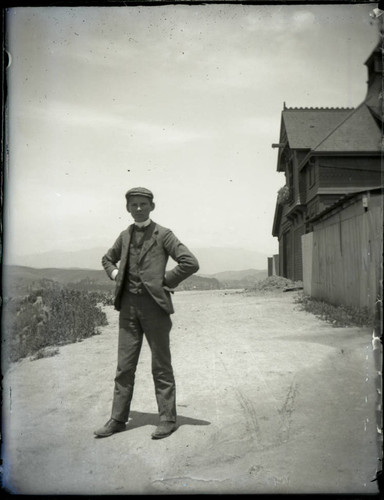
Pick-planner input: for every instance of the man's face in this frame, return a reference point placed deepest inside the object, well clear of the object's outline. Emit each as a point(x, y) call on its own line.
point(140, 207)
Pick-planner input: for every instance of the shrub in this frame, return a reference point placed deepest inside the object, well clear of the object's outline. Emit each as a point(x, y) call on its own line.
point(283, 195)
point(46, 353)
point(49, 316)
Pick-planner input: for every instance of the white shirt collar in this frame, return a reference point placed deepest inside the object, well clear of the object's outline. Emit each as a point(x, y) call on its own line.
point(143, 224)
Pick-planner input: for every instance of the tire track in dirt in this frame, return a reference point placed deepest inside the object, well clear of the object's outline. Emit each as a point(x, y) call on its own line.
point(286, 412)
point(268, 434)
point(252, 423)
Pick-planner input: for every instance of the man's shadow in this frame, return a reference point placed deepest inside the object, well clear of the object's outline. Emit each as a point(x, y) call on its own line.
point(140, 419)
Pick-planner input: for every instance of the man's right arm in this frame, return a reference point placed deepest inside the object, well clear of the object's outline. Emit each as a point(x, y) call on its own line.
point(111, 258)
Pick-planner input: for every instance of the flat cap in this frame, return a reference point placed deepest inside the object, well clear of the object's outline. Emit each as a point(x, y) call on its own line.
point(139, 191)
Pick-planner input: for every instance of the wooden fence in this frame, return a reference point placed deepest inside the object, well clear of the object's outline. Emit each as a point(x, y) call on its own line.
point(343, 256)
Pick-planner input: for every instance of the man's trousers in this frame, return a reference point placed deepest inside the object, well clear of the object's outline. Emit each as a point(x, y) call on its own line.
point(140, 315)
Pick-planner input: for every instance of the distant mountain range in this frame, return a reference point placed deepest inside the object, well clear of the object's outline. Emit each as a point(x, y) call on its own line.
point(239, 279)
point(212, 260)
point(20, 280)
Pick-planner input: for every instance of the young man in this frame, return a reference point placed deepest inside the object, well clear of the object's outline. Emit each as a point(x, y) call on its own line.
point(142, 295)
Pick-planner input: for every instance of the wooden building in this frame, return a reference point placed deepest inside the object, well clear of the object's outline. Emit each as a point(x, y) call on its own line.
point(325, 154)
point(342, 256)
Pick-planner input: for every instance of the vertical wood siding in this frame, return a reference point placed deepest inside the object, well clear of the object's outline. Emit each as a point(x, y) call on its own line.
point(297, 254)
point(342, 258)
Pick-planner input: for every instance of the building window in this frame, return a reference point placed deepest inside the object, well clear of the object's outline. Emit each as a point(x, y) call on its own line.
point(311, 172)
point(289, 178)
point(311, 175)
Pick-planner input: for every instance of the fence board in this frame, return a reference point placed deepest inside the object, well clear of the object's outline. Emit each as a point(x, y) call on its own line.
point(342, 258)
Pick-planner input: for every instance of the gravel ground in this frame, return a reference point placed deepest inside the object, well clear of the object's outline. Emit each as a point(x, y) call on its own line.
point(270, 400)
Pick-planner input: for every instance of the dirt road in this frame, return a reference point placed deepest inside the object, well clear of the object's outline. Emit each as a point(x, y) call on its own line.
point(270, 400)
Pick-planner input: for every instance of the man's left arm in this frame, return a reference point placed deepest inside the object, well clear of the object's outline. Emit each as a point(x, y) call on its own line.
point(187, 264)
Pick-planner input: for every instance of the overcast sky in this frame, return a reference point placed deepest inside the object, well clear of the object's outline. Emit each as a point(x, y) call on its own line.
point(185, 100)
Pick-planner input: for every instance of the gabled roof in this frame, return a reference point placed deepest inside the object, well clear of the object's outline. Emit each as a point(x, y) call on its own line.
point(357, 133)
point(306, 127)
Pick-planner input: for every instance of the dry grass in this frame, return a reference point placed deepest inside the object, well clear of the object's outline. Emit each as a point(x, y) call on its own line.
point(336, 315)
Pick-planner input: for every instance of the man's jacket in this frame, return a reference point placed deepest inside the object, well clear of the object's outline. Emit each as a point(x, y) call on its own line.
point(153, 258)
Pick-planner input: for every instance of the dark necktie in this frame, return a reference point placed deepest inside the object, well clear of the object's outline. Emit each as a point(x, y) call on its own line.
point(140, 229)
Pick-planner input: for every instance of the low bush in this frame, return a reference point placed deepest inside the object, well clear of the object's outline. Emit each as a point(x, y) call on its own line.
point(51, 315)
point(46, 352)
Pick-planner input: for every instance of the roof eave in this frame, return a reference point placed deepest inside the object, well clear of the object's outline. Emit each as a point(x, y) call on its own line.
point(341, 201)
point(277, 219)
point(311, 154)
